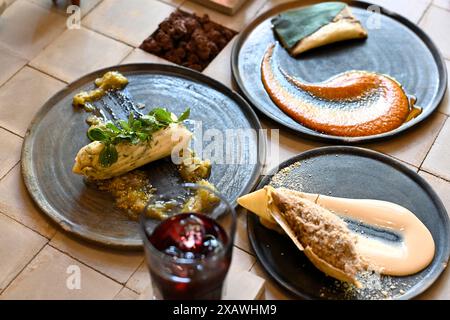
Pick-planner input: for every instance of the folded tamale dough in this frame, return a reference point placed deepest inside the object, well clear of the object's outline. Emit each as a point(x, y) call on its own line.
point(303, 29)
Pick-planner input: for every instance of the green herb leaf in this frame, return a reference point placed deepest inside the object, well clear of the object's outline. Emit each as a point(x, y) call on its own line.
point(133, 130)
point(142, 136)
point(112, 127)
point(124, 125)
point(162, 115)
point(137, 125)
point(122, 137)
point(108, 155)
point(131, 120)
point(97, 134)
point(184, 115)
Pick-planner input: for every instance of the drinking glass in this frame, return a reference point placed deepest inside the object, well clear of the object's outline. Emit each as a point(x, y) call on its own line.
point(188, 253)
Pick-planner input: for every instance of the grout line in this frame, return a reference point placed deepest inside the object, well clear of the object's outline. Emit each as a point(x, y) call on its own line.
point(20, 222)
point(23, 269)
point(434, 140)
point(138, 293)
point(125, 287)
point(108, 36)
point(12, 132)
point(134, 272)
point(424, 12)
point(434, 175)
point(253, 265)
point(440, 7)
point(48, 74)
point(92, 9)
point(129, 54)
point(259, 11)
point(245, 250)
point(24, 225)
point(84, 263)
point(7, 172)
point(17, 71)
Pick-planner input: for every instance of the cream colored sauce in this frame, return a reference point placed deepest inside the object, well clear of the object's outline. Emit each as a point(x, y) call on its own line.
point(411, 254)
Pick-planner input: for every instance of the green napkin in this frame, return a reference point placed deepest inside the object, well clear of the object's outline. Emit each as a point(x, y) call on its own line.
point(294, 25)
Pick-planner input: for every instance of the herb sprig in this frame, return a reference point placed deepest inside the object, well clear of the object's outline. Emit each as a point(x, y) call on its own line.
point(134, 131)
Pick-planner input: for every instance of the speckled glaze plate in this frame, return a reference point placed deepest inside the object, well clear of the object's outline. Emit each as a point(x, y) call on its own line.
point(395, 46)
point(58, 131)
point(350, 172)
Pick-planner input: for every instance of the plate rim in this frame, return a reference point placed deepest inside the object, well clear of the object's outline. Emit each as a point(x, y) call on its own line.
point(44, 205)
point(251, 219)
point(315, 135)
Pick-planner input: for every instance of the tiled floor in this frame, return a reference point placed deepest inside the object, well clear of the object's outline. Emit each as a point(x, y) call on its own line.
point(436, 23)
point(23, 95)
point(62, 6)
point(64, 60)
point(39, 57)
point(28, 39)
point(136, 19)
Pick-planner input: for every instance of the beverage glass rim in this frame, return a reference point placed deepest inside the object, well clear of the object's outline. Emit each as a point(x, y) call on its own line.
point(186, 261)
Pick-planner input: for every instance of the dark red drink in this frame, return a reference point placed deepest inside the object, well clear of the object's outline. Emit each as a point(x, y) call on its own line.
point(196, 257)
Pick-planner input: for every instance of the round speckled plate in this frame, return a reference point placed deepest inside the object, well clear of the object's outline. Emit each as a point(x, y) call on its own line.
point(395, 46)
point(350, 172)
point(58, 132)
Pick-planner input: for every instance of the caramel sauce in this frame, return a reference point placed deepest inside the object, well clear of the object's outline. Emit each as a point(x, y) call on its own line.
point(352, 104)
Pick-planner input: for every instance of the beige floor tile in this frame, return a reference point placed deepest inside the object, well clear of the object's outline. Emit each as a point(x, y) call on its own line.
point(445, 104)
point(27, 28)
point(242, 261)
point(10, 63)
point(236, 22)
point(118, 265)
point(140, 56)
point(412, 146)
point(175, 3)
point(18, 245)
point(284, 144)
point(445, 4)
point(126, 294)
point(16, 203)
point(241, 238)
point(438, 159)
point(64, 59)
point(62, 5)
point(22, 96)
point(129, 21)
point(48, 275)
point(441, 187)
point(140, 280)
point(220, 68)
point(10, 146)
point(436, 23)
point(272, 290)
